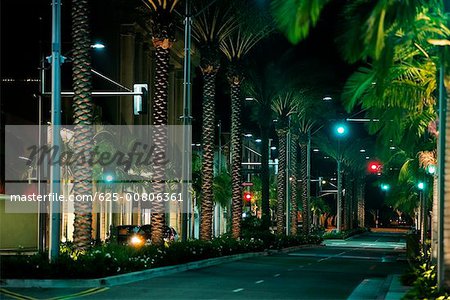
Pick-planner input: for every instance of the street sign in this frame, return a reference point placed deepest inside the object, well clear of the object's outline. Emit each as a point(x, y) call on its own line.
point(247, 184)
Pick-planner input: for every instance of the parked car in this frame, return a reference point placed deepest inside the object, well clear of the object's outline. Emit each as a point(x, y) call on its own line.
point(142, 235)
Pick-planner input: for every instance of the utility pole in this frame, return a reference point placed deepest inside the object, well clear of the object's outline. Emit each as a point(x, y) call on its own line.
point(55, 188)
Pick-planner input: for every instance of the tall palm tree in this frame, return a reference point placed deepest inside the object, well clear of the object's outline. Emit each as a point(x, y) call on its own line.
point(162, 24)
point(264, 84)
point(83, 119)
point(284, 106)
point(294, 183)
point(235, 48)
point(211, 27)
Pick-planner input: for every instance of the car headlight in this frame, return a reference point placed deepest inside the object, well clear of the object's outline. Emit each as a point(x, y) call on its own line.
point(136, 240)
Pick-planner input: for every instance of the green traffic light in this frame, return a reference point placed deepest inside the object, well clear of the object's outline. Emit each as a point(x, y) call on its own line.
point(109, 178)
point(421, 185)
point(341, 129)
point(385, 187)
point(431, 169)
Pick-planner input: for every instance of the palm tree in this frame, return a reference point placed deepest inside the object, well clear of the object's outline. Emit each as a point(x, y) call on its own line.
point(162, 24)
point(211, 27)
point(343, 155)
point(284, 106)
point(264, 84)
point(83, 119)
point(235, 48)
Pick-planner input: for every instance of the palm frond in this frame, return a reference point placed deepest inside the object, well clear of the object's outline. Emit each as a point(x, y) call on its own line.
point(236, 46)
point(295, 18)
point(213, 24)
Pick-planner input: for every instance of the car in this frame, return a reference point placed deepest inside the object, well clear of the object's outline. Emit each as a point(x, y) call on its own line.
point(142, 235)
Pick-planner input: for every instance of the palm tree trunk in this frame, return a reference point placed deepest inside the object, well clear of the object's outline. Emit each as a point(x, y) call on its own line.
point(236, 160)
point(350, 204)
point(159, 114)
point(304, 185)
point(281, 179)
point(208, 142)
point(294, 184)
point(265, 180)
point(344, 205)
point(360, 186)
point(83, 116)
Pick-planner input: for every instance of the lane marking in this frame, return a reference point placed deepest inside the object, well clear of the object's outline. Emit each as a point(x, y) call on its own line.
point(15, 295)
point(259, 281)
point(276, 275)
point(81, 294)
point(238, 290)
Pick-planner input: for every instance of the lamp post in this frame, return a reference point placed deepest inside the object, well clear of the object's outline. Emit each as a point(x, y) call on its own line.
point(423, 214)
point(340, 130)
point(56, 59)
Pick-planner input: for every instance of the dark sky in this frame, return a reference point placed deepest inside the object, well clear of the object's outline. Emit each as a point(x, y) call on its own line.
point(26, 33)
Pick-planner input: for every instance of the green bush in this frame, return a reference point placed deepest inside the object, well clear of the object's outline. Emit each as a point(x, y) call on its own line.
point(422, 276)
point(111, 259)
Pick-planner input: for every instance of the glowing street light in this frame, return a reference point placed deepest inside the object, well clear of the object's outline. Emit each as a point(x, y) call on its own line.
point(421, 185)
point(385, 187)
point(431, 169)
point(98, 46)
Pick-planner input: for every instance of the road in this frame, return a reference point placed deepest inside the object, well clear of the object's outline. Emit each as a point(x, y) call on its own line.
point(323, 272)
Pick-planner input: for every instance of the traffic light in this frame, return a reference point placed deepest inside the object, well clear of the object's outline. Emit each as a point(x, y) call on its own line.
point(421, 185)
point(109, 174)
point(374, 167)
point(385, 187)
point(248, 196)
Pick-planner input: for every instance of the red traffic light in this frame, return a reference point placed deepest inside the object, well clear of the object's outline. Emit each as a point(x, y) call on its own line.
point(374, 167)
point(247, 196)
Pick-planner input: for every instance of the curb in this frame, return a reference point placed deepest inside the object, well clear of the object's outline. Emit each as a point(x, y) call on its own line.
point(124, 278)
point(290, 249)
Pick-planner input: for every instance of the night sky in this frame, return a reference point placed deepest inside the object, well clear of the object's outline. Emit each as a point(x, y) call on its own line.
point(26, 34)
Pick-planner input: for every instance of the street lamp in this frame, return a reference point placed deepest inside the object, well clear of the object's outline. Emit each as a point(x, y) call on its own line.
point(423, 212)
point(340, 130)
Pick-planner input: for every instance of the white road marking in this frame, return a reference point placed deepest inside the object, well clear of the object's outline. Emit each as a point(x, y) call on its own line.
point(276, 275)
point(238, 290)
point(259, 281)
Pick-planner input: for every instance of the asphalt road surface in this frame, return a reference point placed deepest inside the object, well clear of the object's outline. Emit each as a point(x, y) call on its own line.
point(323, 272)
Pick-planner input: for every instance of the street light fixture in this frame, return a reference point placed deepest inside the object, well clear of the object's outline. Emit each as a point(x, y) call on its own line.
point(98, 46)
point(341, 131)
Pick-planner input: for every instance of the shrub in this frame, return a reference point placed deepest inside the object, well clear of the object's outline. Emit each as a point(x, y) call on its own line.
point(111, 259)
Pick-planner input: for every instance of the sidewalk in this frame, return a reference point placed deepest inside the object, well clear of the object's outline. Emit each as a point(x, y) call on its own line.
point(396, 289)
point(389, 288)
